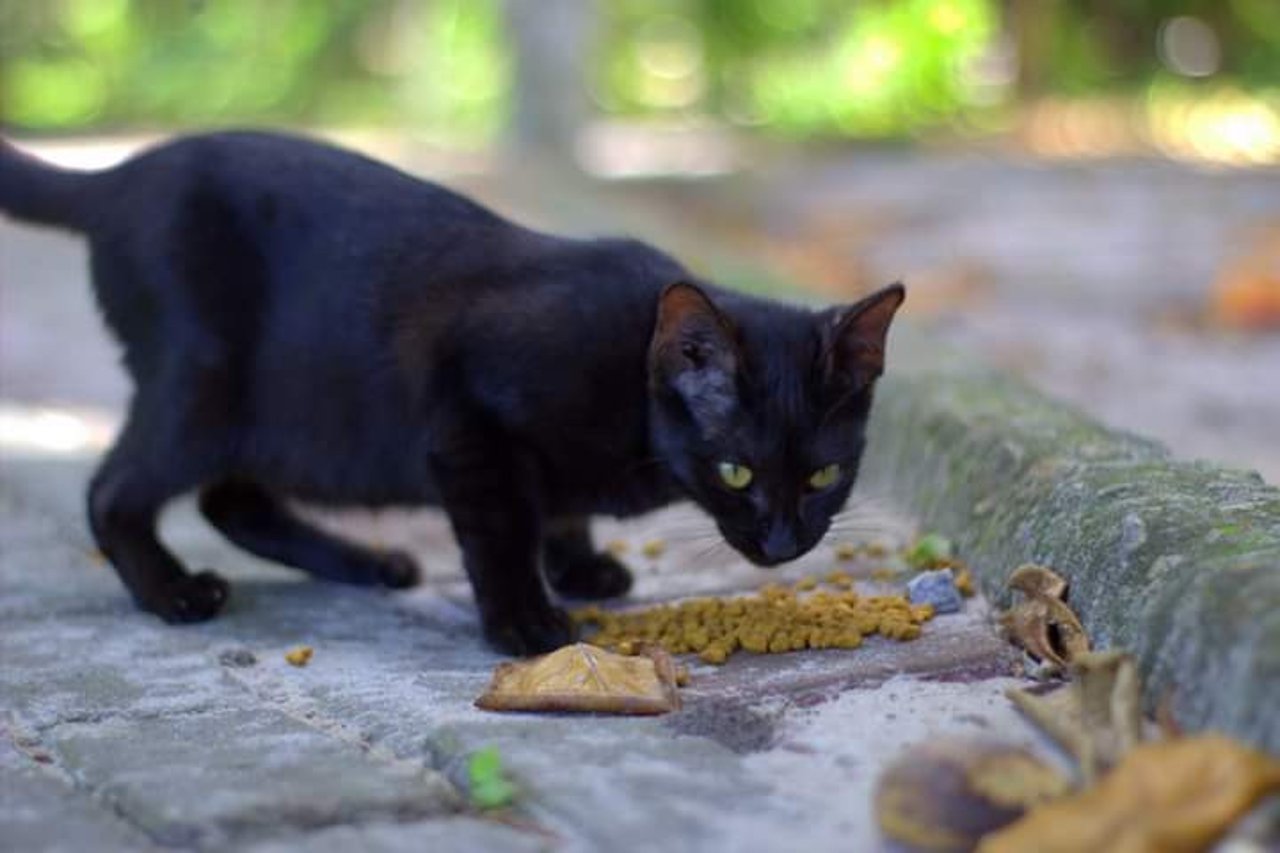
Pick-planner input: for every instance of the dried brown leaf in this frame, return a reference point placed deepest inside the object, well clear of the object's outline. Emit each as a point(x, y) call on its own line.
point(583, 677)
point(944, 795)
point(1165, 797)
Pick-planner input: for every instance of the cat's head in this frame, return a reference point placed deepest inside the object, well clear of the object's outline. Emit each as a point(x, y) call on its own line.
point(759, 409)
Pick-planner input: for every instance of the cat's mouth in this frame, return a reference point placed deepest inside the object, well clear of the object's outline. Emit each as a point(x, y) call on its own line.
point(769, 562)
point(768, 555)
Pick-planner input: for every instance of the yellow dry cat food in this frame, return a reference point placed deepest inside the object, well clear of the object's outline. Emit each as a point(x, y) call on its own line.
point(776, 619)
point(653, 549)
point(299, 655)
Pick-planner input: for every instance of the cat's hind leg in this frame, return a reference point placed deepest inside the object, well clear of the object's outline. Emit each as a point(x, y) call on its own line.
point(124, 500)
point(573, 566)
point(262, 524)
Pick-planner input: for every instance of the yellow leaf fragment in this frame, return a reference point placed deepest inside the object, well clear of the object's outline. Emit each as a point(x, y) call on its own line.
point(1098, 717)
point(1164, 797)
point(582, 677)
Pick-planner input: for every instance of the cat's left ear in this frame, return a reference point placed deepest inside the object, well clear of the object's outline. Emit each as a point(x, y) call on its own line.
point(855, 337)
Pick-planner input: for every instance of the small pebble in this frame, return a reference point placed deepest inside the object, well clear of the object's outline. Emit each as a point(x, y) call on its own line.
point(937, 588)
point(238, 658)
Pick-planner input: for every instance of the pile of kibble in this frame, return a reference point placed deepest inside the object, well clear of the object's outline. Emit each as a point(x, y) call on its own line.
point(809, 615)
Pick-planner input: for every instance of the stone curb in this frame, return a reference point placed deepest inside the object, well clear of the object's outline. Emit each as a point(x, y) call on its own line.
point(1177, 561)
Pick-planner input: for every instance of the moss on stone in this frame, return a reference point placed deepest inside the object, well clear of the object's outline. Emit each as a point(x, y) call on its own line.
point(1178, 561)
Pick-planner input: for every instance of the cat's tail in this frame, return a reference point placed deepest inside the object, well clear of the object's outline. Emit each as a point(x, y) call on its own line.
point(39, 192)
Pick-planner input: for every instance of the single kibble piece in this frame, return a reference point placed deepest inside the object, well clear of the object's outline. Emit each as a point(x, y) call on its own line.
point(877, 550)
point(299, 655)
point(840, 580)
point(617, 547)
point(846, 551)
point(654, 548)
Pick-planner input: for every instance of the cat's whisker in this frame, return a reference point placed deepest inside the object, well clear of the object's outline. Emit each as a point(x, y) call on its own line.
point(690, 534)
point(715, 549)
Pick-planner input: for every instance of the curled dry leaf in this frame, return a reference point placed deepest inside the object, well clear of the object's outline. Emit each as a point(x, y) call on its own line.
point(582, 677)
point(1165, 797)
point(945, 795)
point(1038, 582)
point(1043, 624)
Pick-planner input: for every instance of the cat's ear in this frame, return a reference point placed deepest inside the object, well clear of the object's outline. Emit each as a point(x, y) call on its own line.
point(855, 338)
point(694, 352)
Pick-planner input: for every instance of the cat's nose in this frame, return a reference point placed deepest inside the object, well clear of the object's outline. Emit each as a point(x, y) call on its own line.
point(779, 544)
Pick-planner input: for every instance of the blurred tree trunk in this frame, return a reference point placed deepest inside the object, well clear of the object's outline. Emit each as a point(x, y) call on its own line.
point(550, 39)
point(1031, 22)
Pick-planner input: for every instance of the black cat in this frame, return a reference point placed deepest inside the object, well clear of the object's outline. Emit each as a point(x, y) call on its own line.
point(302, 322)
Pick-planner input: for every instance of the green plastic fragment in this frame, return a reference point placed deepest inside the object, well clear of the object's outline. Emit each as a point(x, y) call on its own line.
point(928, 549)
point(489, 786)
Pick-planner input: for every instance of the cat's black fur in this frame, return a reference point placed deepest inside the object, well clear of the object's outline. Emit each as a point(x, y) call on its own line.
point(302, 322)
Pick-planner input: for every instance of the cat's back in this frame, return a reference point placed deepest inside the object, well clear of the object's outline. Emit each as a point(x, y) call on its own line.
point(263, 176)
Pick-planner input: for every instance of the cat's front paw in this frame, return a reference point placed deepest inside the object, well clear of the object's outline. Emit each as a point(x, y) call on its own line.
point(192, 598)
point(398, 570)
point(588, 576)
point(530, 632)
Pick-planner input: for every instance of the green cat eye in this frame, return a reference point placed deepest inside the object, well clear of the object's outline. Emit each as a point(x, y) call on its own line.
point(824, 477)
point(735, 476)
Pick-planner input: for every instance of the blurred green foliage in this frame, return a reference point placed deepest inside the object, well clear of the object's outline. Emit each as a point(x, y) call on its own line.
point(803, 66)
point(812, 67)
point(109, 63)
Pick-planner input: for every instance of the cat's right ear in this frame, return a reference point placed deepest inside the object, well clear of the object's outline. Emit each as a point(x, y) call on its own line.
point(694, 352)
